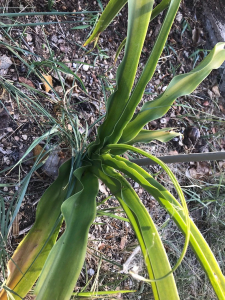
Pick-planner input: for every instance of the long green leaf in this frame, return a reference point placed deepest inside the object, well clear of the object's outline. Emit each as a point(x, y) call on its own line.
point(180, 85)
point(197, 241)
point(29, 258)
point(156, 11)
point(116, 164)
point(139, 13)
point(148, 71)
point(176, 185)
point(109, 13)
point(146, 136)
point(64, 263)
point(153, 251)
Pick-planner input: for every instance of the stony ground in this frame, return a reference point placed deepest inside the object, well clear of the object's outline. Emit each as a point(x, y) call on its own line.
point(200, 118)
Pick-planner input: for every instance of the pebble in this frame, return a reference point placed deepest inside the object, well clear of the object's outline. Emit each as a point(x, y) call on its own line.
point(24, 136)
point(136, 185)
point(29, 37)
point(9, 129)
point(110, 76)
point(54, 38)
point(16, 138)
point(5, 189)
point(163, 121)
point(179, 17)
point(5, 62)
point(86, 67)
point(91, 272)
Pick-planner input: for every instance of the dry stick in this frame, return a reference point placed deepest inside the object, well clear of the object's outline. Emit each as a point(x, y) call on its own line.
point(182, 158)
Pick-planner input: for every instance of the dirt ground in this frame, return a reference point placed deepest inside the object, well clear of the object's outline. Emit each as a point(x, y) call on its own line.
point(200, 117)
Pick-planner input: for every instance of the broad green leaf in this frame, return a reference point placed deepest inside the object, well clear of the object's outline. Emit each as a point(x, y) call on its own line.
point(146, 136)
point(116, 164)
point(176, 185)
point(136, 96)
point(109, 13)
point(156, 11)
point(62, 268)
point(180, 85)
point(174, 208)
point(29, 258)
point(153, 251)
point(139, 13)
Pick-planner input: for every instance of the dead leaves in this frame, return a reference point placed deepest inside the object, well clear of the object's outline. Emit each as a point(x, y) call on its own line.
point(26, 81)
point(201, 171)
point(47, 82)
point(37, 151)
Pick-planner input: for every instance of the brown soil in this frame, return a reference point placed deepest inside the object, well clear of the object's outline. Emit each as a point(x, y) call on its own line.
point(18, 129)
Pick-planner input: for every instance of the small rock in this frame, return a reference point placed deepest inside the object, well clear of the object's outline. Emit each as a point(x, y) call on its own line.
point(164, 88)
point(29, 37)
point(9, 129)
point(59, 90)
point(205, 103)
point(192, 134)
point(110, 76)
point(163, 121)
point(61, 41)
point(86, 67)
point(179, 17)
point(91, 272)
point(6, 160)
point(54, 38)
point(5, 189)
point(216, 91)
point(136, 185)
point(16, 138)
point(5, 62)
point(24, 136)
point(69, 127)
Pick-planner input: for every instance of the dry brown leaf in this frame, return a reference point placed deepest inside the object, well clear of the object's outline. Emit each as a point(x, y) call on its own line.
point(216, 91)
point(123, 242)
point(101, 246)
point(26, 81)
point(48, 78)
point(37, 150)
point(202, 170)
point(15, 225)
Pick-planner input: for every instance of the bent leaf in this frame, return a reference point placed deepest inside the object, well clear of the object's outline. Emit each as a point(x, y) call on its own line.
point(64, 263)
point(146, 136)
point(27, 261)
point(152, 248)
point(180, 85)
point(109, 13)
point(197, 241)
point(139, 13)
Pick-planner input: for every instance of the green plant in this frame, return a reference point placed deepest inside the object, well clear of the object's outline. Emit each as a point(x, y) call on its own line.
point(72, 196)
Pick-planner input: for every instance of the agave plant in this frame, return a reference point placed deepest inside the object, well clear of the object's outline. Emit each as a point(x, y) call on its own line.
point(72, 197)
